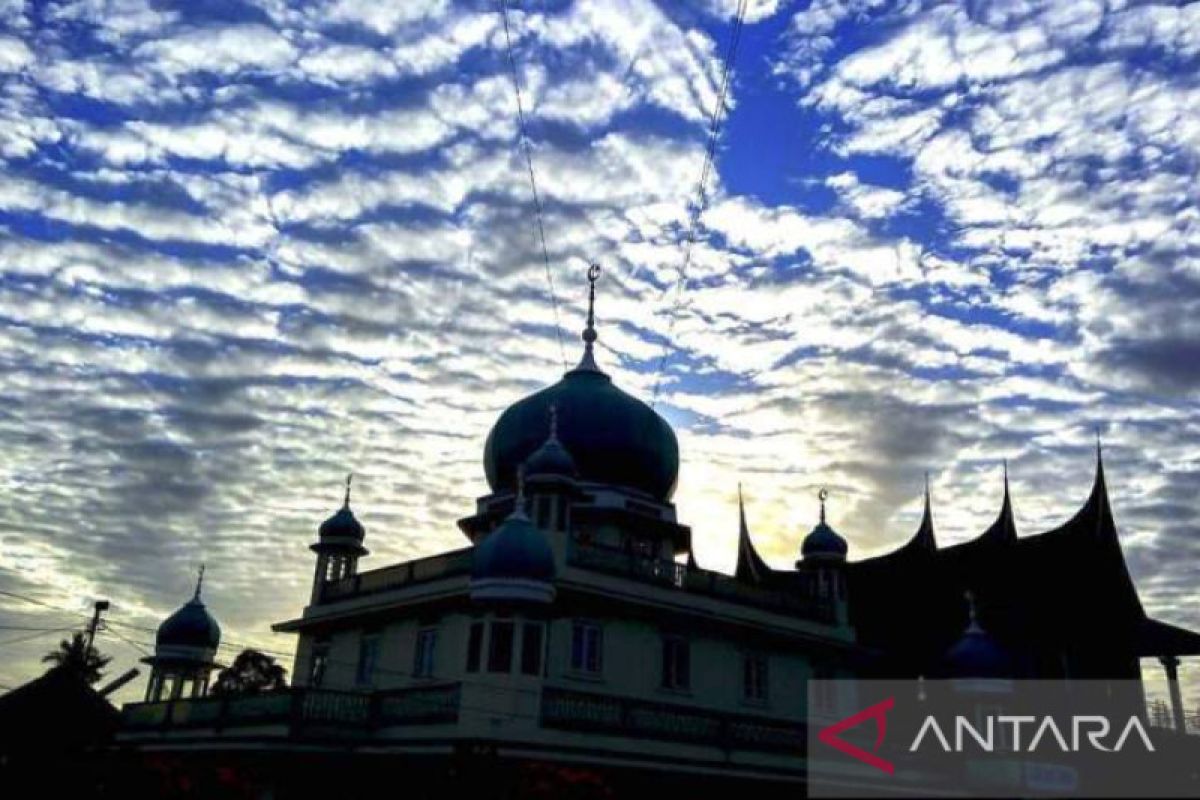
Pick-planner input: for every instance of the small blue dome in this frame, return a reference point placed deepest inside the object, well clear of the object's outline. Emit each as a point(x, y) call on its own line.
point(514, 551)
point(190, 626)
point(823, 541)
point(342, 525)
point(977, 654)
point(551, 459)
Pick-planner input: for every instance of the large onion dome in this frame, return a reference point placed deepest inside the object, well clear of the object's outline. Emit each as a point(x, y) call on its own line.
point(614, 438)
point(513, 562)
point(823, 542)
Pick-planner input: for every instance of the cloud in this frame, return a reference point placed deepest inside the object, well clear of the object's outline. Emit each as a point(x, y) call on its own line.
point(247, 249)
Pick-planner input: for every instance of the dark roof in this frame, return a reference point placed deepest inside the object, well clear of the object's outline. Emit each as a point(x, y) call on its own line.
point(54, 713)
point(1066, 587)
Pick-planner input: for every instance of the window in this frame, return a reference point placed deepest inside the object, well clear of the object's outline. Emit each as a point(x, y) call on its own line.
point(586, 645)
point(474, 646)
point(319, 663)
point(500, 647)
point(676, 666)
point(531, 648)
point(368, 655)
point(754, 678)
point(423, 655)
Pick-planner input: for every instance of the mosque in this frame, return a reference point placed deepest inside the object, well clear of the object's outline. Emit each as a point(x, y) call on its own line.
point(575, 635)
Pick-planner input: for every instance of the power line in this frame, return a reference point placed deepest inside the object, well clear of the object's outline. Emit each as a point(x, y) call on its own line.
point(32, 636)
point(126, 640)
point(697, 208)
point(537, 201)
point(27, 628)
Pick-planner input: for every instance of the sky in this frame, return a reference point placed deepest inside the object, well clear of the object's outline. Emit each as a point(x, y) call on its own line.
point(249, 247)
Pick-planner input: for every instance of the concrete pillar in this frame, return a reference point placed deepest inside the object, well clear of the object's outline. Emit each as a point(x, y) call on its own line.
point(319, 577)
point(1171, 665)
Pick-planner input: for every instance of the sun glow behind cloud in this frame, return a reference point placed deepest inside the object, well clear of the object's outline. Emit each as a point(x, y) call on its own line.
point(247, 248)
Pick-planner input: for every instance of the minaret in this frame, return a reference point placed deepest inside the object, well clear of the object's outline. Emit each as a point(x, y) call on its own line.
point(823, 555)
point(184, 651)
point(339, 546)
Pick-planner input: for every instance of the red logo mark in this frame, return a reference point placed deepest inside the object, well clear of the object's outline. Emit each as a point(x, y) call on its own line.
point(876, 712)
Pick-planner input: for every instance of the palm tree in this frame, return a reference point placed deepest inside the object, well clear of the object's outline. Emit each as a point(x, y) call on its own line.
point(74, 655)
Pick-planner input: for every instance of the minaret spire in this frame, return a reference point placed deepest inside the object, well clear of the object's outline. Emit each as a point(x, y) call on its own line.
point(199, 583)
point(588, 362)
point(346, 501)
point(822, 495)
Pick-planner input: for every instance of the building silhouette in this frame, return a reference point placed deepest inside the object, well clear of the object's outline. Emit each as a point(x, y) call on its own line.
point(575, 638)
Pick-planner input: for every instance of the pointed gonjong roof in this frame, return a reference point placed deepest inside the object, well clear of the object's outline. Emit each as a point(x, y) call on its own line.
point(1069, 584)
point(1004, 529)
point(750, 566)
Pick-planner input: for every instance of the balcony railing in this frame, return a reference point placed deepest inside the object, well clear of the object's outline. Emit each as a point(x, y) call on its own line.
point(584, 711)
point(456, 562)
point(801, 600)
point(300, 709)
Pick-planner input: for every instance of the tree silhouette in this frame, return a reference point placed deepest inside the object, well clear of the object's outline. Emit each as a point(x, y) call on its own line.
point(250, 673)
point(74, 656)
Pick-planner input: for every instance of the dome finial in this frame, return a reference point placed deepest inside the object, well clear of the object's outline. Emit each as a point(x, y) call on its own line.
point(588, 362)
point(553, 422)
point(346, 501)
point(822, 495)
point(199, 583)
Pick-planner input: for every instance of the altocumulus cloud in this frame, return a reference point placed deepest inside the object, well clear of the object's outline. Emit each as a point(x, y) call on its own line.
point(249, 247)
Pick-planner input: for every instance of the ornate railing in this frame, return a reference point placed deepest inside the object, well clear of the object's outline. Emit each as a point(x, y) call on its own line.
point(801, 599)
point(301, 709)
point(456, 562)
point(567, 709)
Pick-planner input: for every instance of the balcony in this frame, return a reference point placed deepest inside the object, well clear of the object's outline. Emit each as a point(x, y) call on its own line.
point(298, 712)
point(801, 601)
point(456, 562)
point(566, 709)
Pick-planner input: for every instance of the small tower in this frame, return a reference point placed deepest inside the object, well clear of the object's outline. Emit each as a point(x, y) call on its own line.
point(184, 652)
point(550, 480)
point(823, 555)
point(339, 546)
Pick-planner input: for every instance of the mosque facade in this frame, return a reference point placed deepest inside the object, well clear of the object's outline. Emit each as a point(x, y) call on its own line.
point(575, 633)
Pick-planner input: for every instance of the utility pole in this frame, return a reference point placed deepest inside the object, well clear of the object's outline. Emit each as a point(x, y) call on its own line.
point(100, 607)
